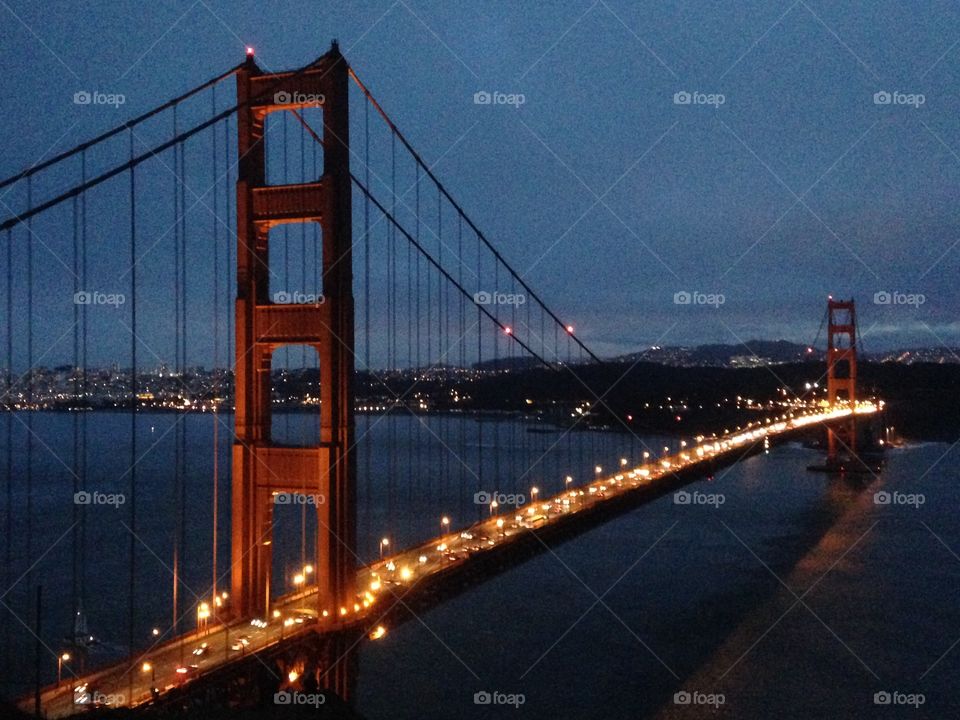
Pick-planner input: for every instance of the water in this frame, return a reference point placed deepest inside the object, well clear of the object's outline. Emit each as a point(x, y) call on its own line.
point(696, 598)
point(413, 472)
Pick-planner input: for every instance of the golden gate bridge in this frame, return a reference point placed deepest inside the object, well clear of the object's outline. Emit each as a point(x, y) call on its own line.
point(302, 203)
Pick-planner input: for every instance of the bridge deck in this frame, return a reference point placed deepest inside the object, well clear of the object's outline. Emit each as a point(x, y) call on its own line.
point(399, 579)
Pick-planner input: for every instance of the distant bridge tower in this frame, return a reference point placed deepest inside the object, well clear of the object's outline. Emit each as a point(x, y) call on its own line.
point(327, 467)
point(841, 377)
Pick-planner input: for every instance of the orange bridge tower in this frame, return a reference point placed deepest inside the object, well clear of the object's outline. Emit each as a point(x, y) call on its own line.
point(327, 467)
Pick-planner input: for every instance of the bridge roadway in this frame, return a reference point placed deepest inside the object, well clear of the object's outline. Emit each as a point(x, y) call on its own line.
point(400, 578)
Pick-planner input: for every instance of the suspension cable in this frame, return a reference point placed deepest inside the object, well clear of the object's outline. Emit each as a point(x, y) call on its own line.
point(32, 170)
point(420, 162)
point(446, 274)
point(153, 152)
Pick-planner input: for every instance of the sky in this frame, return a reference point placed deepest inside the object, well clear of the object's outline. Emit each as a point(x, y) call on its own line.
point(753, 157)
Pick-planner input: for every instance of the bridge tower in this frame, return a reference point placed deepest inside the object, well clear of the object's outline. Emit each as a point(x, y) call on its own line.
point(841, 376)
point(262, 468)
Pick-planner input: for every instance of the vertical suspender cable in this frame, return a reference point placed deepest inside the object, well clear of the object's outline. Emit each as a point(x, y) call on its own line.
point(367, 483)
point(29, 582)
point(408, 416)
point(182, 501)
point(86, 399)
point(392, 292)
point(8, 396)
point(306, 434)
point(216, 360)
point(462, 362)
point(178, 448)
point(481, 455)
point(131, 598)
point(418, 472)
point(75, 459)
point(440, 492)
point(287, 286)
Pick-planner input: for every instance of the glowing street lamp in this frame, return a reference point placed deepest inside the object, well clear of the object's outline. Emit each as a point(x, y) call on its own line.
point(384, 542)
point(444, 524)
point(299, 579)
point(566, 481)
point(493, 507)
point(534, 491)
point(500, 526)
point(148, 667)
point(65, 657)
point(203, 614)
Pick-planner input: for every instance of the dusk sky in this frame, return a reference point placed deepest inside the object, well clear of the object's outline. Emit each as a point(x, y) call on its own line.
point(784, 179)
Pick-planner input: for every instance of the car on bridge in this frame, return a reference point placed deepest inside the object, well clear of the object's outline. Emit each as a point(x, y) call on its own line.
point(533, 521)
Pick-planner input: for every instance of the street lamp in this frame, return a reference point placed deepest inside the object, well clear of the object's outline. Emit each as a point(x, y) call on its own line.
point(646, 455)
point(500, 526)
point(203, 613)
point(148, 667)
point(65, 657)
point(534, 491)
point(384, 542)
point(623, 462)
point(298, 579)
point(598, 469)
point(444, 524)
point(566, 482)
point(493, 506)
